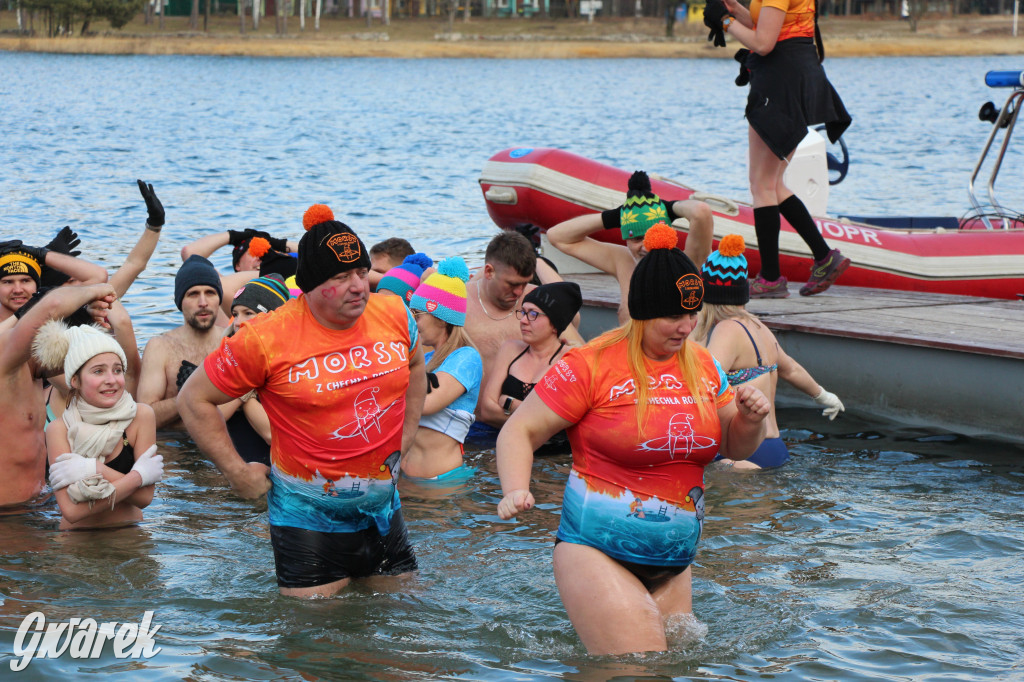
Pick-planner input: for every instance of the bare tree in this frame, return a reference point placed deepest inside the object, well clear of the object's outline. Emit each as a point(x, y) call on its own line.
point(193, 19)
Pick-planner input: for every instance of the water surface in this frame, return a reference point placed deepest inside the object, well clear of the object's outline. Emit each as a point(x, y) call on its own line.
point(877, 553)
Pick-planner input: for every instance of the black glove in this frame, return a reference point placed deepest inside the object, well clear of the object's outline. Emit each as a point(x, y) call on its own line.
point(714, 13)
point(432, 382)
point(153, 205)
point(10, 246)
point(741, 56)
point(184, 372)
point(37, 252)
point(65, 242)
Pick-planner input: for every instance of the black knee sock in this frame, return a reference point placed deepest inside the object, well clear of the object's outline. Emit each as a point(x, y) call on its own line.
point(766, 226)
point(794, 211)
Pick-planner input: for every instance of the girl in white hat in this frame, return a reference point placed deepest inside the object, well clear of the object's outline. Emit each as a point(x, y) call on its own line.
point(102, 452)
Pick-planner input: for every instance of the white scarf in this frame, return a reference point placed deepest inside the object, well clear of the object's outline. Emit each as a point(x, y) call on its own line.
point(94, 431)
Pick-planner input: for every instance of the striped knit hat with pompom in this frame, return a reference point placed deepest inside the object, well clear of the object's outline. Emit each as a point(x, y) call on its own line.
point(725, 273)
point(443, 295)
point(642, 210)
point(403, 279)
point(665, 282)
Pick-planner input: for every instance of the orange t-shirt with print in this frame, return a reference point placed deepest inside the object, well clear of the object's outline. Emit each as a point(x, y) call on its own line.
point(799, 21)
point(336, 404)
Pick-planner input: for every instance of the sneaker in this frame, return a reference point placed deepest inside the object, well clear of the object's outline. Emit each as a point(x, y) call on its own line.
point(762, 288)
point(825, 272)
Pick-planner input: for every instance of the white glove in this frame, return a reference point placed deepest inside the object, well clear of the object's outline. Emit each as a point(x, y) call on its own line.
point(70, 468)
point(833, 405)
point(150, 466)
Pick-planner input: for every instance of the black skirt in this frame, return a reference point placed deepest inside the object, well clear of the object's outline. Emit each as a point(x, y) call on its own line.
point(788, 93)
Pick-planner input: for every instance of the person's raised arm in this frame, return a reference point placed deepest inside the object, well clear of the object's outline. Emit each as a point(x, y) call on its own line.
point(153, 382)
point(140, 254)
point(82, 271)
point(204, 246)
point(701, 231)
point(415, 396)
point(197, 404)
point(525, 431)
point(572, 237)
point(743, 423)
point(121, 326)
point(16, 343)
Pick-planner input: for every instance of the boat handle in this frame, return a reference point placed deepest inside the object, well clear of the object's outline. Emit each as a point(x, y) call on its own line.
point(501, 195)
point(731, 208)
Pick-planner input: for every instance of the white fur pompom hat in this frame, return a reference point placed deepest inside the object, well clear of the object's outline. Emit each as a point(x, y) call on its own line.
point(56, 344)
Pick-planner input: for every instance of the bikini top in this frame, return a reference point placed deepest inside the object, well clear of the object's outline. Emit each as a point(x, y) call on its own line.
point(517, 389)
point(125, 459)
point(742, 376)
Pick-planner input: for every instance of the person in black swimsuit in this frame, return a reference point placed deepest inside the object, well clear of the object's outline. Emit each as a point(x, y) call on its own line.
point(545, 314)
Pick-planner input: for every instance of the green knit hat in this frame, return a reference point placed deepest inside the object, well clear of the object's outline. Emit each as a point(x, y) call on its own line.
point(642, 210)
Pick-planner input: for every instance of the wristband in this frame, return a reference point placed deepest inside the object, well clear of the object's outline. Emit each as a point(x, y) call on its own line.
point(153, 228)
point(727, 22)
point(507, 406)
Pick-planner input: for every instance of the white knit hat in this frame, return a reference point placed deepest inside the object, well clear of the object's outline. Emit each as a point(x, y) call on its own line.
point(76, 345)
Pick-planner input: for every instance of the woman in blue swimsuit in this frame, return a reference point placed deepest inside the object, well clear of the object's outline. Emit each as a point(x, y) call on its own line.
point(746, 349)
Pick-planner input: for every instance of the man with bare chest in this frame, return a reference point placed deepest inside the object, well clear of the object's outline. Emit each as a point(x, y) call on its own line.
point(174, 354)
point(22, 410)
point(492, 297)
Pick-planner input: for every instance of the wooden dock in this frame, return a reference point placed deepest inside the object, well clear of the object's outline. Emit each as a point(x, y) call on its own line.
point(956, 362)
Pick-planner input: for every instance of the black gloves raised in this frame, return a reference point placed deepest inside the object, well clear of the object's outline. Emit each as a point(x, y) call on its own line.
point(153, 205)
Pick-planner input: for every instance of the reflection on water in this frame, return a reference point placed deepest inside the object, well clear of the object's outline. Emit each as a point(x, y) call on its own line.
point(876, 552)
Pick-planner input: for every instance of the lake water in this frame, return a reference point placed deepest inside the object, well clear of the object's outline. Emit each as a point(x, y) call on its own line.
point(879, 552)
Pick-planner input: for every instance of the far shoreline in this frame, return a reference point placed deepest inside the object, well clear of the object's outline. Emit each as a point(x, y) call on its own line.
point(517, 39)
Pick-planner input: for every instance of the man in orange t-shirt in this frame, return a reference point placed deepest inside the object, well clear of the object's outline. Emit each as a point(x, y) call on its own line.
point(341, 376)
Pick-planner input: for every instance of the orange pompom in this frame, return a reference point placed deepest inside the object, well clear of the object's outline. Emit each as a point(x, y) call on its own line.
point(732, 245)
point(660, 236)
point(316, 214)
point(258, 247)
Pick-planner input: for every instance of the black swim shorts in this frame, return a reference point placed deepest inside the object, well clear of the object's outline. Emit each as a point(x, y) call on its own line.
point(308, 558)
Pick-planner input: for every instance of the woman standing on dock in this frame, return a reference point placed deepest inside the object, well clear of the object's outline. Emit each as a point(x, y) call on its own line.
point(746, 349)
point(788, 92)
point(646, 410)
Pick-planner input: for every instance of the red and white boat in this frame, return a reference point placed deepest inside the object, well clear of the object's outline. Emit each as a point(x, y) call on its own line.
point(544, 187)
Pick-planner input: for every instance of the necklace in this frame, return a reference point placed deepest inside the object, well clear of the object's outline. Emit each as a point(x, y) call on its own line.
point(484, 308)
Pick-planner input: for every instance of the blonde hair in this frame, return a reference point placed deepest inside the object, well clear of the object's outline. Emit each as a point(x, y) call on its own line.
point(712, 313)
point(687, 358)
point(457, 338)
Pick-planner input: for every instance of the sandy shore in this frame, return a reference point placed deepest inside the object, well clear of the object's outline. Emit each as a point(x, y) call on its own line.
point(518, 39)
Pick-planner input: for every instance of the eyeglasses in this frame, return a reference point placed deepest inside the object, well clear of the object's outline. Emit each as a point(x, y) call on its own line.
point(531, 315)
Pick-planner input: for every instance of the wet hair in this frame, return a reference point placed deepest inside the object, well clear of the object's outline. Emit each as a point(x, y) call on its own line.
point(76, 319)
point(514, 250)
point(396, 249)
